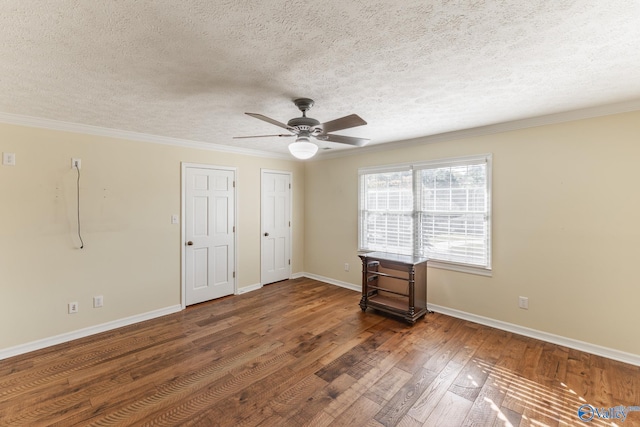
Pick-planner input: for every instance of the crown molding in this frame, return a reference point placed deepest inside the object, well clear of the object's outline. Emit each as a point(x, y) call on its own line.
point(548, 119)
point(37, 122)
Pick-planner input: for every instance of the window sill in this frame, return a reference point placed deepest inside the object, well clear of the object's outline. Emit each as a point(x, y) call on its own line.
point(481, 271)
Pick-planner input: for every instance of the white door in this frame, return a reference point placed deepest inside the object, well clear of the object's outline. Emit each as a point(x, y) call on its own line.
point(209, 212)
point(276, 226)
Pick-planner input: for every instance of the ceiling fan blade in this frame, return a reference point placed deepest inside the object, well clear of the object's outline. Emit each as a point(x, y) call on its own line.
point(268, 120)
point(351, 140)
point(345, 122)
point(262, 136)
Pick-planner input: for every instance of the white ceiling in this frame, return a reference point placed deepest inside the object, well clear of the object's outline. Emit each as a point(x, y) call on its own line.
point(189, 69)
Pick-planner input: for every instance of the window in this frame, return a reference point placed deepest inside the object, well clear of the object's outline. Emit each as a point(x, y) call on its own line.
point(387, 221)
point(438, 209)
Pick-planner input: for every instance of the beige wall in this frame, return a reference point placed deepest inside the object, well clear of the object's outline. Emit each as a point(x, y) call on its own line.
point(129, 190)
point(565, 210)
point(565, 205)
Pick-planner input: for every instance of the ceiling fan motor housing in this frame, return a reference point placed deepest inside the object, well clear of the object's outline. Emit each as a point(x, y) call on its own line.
point(304, 124)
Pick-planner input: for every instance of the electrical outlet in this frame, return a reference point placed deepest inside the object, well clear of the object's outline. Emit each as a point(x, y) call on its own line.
point(76, 163)
point(9, 159)
point(98, 301)
point(346, 266)
point(73, 307)
point(523, 302)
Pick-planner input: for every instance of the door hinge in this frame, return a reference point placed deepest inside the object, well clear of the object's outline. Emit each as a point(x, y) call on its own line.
point(234, 228)
point(289, 262)
point(289, 186)
point(234, 184)
point(289, 223)
point(234, 274)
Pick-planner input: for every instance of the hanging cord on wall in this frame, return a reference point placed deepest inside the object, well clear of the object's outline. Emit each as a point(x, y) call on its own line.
point(78, 185)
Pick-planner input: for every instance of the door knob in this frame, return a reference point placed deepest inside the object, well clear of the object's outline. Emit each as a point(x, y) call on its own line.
point(189, 243)
point(266, 234)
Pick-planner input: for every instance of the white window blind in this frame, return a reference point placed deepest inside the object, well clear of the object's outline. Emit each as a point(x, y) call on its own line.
point(438, 209)
point(386, 213)
point(452, 216)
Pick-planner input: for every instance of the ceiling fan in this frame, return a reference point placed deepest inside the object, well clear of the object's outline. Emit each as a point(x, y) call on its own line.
point(304, 128)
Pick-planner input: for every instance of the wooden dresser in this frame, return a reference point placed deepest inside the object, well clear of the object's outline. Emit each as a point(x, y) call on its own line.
point(395, 284)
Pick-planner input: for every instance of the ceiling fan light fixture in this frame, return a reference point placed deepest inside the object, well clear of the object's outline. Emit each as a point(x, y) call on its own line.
point(303, 149)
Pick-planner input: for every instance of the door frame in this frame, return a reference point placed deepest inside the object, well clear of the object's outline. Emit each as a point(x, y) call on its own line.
point(183, 225)
point(262, 172)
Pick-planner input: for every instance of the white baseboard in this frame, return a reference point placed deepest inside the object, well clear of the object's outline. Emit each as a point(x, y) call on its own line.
point(621, 356)
point(613, 354)
point(245, 289)
point(85, 332)
point(251, 288)
point(347, 285)
point(632, 359)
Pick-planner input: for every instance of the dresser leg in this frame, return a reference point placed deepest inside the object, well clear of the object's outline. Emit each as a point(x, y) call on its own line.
point(363, 303)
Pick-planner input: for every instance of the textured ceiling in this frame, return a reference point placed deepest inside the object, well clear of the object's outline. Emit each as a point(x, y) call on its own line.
point(189, 69)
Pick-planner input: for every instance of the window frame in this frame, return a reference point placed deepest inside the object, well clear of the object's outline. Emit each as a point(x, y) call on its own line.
point(415, 168)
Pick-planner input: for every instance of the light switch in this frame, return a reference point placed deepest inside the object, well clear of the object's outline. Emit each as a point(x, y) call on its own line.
point(174, 219)
point(9, 159)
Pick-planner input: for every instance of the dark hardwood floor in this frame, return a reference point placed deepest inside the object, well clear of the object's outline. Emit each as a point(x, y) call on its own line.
point(301, 352)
